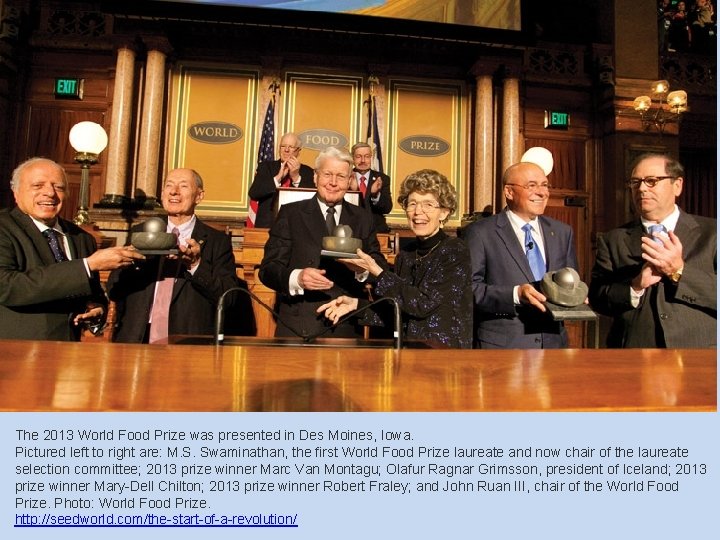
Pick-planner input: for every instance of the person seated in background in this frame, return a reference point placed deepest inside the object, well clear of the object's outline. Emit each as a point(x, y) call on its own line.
point(293, 265)
point(271, 175)
point(431, 281)
point(373, 185)
point(175, 294)
point(49, 283)
point(656, 276)
point(511, 252)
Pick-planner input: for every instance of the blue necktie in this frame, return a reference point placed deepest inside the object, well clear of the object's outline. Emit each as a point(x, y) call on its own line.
point(52, 239)
point(656, 229)
point(532, 251)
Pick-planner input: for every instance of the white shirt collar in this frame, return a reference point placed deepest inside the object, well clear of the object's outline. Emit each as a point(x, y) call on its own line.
point(670, 221)
point(42, 227)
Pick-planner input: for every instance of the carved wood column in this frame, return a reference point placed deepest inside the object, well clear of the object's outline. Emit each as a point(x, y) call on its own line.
point(116, 182)
point(512, 145)
point(483, 186)
point(151, 123)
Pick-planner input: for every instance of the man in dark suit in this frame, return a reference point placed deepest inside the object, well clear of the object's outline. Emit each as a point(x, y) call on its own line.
point(195, 280)
point(293, 265)
point(271, 175)
point(509, 307)
point(657, 275)
point(49, 285)
point(374, 185)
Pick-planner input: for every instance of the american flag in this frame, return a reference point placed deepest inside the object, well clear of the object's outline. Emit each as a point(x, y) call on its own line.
point(373, 135)
point(266, 152)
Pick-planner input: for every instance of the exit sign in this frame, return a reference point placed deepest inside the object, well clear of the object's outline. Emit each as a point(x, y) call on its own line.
point(557, 120)
point(69, 88)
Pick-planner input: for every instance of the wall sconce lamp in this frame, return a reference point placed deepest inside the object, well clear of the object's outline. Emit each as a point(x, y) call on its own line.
point(654, 112)
point(88, 139)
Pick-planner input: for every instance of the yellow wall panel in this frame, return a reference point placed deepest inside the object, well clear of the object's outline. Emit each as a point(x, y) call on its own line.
point(206, 96)
point(426, 131)
point(323, 110)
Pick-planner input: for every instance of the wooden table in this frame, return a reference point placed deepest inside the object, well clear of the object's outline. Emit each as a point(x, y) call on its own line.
point(55, 376)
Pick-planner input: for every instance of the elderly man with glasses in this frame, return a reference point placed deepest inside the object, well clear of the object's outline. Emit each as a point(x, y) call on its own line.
point(511, 252)
point(287, 171)
point(656, 276)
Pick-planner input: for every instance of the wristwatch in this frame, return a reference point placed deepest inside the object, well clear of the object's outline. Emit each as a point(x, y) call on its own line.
point(676, 275)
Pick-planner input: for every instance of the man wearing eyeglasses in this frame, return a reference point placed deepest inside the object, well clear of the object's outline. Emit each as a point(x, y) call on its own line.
point(293, 264)
point(510, 253)
point(272, 175)
point(656, 276)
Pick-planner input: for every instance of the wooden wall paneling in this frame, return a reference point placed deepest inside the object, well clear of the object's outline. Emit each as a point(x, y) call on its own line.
point(434, 112)
point(203, 98)
point(46, 135)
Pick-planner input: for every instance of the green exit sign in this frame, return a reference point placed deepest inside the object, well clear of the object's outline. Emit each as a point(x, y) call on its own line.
point(557, 120)
point(69, 88)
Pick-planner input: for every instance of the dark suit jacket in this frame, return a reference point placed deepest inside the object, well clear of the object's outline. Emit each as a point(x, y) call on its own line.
point(498, 264)
point(264, 191)
point(39, 297)
point(384, 203)
point(295, 242)
point(669, 315)
point(195, 296)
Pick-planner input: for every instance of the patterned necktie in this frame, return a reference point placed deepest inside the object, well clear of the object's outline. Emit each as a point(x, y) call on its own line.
point(330, 220)
point(160, 314)
point(52, 239)
point(532, 252)
point(657, 229)
point(362, 186)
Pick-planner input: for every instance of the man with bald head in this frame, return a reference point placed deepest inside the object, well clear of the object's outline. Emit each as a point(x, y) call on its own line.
point(656, 276)
point(287, 172)
point(510, 253)
point(201, 272)
point(49, 284)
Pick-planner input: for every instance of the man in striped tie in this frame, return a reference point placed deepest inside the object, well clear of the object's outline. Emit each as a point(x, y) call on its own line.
point(374, 186)
point(49, 284)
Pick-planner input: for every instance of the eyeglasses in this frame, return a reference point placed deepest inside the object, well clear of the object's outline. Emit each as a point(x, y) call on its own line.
point(532, 186)
point(288, 147)
point(425, 206)
point(649, 181)
point(326, 175)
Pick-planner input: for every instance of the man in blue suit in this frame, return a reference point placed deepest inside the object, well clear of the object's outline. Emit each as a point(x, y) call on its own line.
point(509, 307)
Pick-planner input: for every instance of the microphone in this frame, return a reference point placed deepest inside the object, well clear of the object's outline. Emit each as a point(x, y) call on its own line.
point(530, 245)
point(397, 331)
point(220, 314)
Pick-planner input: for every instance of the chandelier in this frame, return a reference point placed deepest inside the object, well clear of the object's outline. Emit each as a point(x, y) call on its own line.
point(662, 107)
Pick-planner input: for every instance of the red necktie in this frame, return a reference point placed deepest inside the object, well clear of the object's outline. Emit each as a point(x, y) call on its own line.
point(286, 181)
point(160, 313)
point(363, 186)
